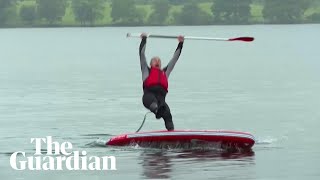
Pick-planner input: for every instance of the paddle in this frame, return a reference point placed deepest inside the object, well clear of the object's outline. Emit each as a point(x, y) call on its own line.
point(243, 39)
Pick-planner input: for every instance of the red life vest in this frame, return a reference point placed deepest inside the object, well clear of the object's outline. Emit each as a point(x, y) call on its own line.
point(156, 77)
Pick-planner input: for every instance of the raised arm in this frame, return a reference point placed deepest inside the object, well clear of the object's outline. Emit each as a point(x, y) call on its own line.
point(143, 59)
point(175, 57)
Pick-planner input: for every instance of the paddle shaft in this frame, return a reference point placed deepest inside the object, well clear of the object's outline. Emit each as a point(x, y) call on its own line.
point(244, 39)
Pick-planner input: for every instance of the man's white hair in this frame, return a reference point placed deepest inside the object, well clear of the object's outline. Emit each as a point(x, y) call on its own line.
point(154, 58)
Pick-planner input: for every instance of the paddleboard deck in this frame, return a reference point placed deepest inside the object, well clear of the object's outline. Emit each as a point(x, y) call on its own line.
point(222, 138)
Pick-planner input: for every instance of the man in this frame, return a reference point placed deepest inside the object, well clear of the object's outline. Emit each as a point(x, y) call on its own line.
point(155, 82)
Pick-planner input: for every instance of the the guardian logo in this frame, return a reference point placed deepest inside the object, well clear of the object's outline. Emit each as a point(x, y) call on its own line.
point(62, 158)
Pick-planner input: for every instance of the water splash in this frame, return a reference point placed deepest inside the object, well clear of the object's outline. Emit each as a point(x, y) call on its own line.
point(97, 143)
point(179, 146)
point(266, 141)
point(270, 140)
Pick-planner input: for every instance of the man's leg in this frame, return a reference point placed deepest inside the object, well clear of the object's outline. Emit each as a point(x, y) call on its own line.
point(159, 107)
point(150, 102)
point(167, 117)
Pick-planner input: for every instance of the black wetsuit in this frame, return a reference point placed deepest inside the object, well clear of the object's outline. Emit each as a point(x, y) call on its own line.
point(154, 96)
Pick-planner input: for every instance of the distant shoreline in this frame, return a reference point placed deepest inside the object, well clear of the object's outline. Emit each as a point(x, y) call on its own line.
point(126, 25)
point(167, 13)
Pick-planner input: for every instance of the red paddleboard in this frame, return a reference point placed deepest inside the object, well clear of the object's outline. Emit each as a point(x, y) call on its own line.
point(229, 139)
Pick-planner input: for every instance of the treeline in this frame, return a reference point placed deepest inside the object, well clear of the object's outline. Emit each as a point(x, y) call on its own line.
point(22, 13)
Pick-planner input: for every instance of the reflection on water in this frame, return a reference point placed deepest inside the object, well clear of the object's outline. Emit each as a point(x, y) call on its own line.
point(159, 164)
point(156, 165)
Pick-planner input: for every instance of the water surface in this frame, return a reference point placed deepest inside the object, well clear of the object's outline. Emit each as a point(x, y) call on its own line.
point(83, 85)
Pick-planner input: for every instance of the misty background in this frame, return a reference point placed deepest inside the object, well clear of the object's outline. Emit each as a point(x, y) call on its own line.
point(55, 13)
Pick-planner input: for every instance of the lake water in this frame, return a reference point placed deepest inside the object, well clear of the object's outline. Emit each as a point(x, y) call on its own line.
point(83, 85)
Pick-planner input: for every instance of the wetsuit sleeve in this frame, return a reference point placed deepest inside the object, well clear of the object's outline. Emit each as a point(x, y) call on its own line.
point(174, 59)
point(143, 59)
